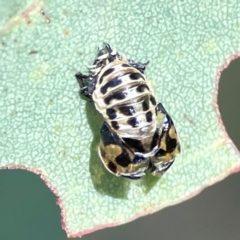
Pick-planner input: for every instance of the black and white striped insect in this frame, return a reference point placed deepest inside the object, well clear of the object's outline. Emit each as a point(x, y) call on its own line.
point(138, 135)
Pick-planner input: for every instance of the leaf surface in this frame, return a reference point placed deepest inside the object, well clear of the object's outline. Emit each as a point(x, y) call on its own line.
point(48, 129)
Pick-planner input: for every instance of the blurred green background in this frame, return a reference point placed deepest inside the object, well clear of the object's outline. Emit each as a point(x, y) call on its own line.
point(28, 209)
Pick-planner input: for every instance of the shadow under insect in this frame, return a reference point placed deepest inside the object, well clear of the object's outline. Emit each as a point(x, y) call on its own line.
point(103, 181)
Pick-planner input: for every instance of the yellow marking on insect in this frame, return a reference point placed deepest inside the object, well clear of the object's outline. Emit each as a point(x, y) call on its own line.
point(112, 151)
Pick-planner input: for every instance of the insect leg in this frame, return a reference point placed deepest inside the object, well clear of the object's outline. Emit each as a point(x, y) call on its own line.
point(82, 79)
point(108, 47)
point(138, 65)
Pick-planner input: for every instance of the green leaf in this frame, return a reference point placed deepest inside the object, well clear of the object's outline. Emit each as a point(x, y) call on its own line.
point(48, 129)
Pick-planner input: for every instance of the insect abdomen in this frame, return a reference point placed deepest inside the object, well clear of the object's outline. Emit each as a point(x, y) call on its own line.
point(125, 100)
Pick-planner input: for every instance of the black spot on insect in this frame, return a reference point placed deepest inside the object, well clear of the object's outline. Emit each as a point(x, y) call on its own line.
point(119, 96)
point(109, 71)
point(145, 104)
point(135, 76)
point(111, 113)
point(113, 83)
point(125, 65)
point(142, 87)
point(133, 122)
point(160, 153)
point(134, 143)
point(108, 136)
point(128, 110)
point(112, 167)
point(153, 100)
point(171, 144)
point(123, 159)
point(115, 125)
point(149, 116)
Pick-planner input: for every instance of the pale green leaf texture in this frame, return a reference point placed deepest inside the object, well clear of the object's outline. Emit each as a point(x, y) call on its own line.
point(47, 128)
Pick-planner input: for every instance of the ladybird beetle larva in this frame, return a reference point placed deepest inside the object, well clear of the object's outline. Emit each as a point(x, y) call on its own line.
point(138, 135)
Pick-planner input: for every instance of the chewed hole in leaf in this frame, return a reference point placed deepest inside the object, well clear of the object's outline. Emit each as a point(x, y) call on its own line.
point(229, 100)
point(24, 197)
